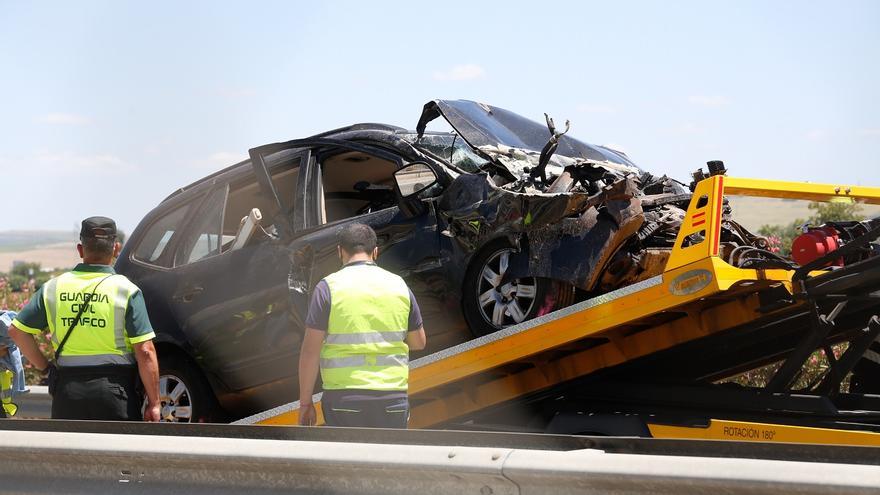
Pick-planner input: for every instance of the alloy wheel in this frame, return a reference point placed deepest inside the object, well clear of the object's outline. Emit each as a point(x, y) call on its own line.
point(175, 400)
point(508, 303)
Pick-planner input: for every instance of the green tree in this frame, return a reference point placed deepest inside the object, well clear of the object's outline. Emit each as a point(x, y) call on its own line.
point(835, 212)
point(23, 273)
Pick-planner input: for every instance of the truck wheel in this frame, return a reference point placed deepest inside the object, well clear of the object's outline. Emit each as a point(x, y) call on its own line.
point(489, 305)
point(184, 394)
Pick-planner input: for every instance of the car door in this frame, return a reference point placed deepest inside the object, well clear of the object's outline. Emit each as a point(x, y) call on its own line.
point(233, 303)
point(408, 241)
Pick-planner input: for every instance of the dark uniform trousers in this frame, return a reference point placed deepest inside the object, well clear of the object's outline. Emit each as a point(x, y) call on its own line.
point(97, 393)
point(365, 409)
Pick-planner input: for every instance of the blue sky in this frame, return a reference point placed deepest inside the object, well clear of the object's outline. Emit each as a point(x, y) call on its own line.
point(110, 106)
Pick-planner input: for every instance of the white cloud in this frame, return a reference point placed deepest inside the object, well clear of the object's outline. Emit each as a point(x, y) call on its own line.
point(708, 101)
point(464, 72)
point(816, 134)
point(64, 119)
point(603, 109)
point(870, 132)
point(218, 160)
point(73, 162)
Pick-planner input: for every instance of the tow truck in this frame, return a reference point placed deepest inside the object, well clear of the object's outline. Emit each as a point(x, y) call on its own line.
point(647, 360)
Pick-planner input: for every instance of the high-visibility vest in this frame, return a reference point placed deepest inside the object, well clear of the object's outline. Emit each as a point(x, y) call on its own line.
point(365, 346)
point(99, 337)
point(6, 377)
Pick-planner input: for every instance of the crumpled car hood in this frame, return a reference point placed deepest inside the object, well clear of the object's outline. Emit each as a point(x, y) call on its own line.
point(515, 142)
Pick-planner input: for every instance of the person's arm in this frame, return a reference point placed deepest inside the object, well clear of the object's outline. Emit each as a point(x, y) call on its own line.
point(148, 368)
point(317, 322)
point(28, 347)
point(309, 359)
point(140, 334)
point(416, 339)
point(31, 321)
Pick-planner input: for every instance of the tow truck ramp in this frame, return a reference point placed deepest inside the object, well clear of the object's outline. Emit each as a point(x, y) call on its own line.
point(642, 360)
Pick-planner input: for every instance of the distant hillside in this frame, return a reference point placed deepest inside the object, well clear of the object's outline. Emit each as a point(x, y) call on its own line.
point(752, 213)
point(20, 240)
point(50, 248)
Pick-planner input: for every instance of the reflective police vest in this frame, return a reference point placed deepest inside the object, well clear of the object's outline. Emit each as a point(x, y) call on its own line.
point(99, 336)
point(6, 392)
point(365, 346)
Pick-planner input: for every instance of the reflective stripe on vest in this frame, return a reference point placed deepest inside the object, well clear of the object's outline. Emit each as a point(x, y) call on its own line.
point(365, 346)
point(350, 361)
point(366, 338)
point(95, 359)
point(99, 337)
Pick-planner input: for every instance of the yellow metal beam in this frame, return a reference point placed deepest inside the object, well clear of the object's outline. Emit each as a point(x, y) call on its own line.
point(800, 190)
point(742, 431)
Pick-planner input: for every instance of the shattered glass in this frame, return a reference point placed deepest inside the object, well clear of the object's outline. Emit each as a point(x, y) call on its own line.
point(449, 148)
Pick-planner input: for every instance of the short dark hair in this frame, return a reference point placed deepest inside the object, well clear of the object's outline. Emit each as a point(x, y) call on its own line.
point(356, 238)
point(100, 247)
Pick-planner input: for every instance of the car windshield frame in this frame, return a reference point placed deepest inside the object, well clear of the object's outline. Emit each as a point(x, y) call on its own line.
point(461, 156)
point(487, 127)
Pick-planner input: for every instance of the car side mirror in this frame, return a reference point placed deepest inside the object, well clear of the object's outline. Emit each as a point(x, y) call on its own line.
point(414, 178)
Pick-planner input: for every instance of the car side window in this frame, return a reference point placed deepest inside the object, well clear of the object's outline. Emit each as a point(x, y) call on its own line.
point(155, 242)
point(355, 183)
point(246, 195)
point(214, 229)
point(203, 237)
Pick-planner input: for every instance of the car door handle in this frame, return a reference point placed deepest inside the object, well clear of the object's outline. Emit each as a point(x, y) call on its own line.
point(189, 294)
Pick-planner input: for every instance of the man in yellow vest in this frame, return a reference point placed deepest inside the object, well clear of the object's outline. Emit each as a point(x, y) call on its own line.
point(100, 332)
point(362, 323)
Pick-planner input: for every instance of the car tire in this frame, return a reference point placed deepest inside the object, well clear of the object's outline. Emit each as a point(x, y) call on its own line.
point(489, 306)
point(184, 394)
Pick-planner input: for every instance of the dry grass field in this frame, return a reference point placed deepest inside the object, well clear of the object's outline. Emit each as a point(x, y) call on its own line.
point(752, 213)
point(50, 256)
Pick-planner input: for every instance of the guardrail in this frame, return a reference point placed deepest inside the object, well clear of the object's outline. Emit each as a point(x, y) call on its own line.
point(80, 462)
point(35, 404)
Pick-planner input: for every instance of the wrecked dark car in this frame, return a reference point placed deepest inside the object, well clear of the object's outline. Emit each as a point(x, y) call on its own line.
point(502, 220)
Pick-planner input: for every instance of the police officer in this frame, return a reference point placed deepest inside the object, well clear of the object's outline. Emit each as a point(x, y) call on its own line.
point(101, 319)
point(361, 324)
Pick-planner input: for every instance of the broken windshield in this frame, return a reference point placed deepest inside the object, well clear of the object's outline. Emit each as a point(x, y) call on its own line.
point(450, 148)
point(483, 125)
